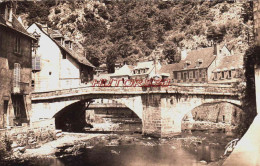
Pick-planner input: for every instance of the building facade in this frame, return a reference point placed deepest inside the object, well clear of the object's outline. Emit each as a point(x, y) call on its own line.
point(15, 69)
point(145, 70)
point(215, 64)
point(55, 65)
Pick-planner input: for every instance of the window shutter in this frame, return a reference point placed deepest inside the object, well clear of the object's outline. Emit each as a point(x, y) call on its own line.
point(17, 77)
point(33, 63)
point(38, 63)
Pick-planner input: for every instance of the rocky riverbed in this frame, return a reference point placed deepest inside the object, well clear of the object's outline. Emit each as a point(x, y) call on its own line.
point(202, 149)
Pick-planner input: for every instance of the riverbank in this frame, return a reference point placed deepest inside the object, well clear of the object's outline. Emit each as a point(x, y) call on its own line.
point(85, 146)
point(49, 149)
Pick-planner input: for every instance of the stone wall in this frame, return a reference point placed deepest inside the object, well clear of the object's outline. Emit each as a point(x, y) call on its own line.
point(30, 136)
point(217, 112)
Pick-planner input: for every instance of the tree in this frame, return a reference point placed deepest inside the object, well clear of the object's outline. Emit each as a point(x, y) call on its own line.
point(93, 55)
point(111, 59)
point(248, 94)
point(169, 50)
point(216, 33)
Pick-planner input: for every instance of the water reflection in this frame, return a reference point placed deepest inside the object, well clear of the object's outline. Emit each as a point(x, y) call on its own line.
point(135, 155)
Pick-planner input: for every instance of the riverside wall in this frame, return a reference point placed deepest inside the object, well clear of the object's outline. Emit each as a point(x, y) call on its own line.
point(29, 136)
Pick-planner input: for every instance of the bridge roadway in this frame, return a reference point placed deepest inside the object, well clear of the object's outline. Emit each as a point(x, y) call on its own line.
point(160, 108)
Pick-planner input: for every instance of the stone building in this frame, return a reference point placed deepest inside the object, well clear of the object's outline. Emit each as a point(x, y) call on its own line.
point(15, 69)
point(229, 69)
point(205, 65)
point(55, 63)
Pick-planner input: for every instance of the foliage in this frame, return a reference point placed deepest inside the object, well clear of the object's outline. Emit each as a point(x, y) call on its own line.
point(5, 147)
point(249, 96)
point(138, 27)
point(170, 52)
point(111, 59)
point(216, 33)
point(37, 12)
point(247, 13)
point(93, 55)
point(224, 9)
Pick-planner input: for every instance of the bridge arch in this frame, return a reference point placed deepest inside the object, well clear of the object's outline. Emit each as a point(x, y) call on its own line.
point(220, 111)
point(176, 107)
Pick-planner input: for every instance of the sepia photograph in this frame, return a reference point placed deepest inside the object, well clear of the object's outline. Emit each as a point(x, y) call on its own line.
point(129, 82)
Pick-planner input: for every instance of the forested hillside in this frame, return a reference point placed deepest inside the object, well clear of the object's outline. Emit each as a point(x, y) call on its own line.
point(128, 30)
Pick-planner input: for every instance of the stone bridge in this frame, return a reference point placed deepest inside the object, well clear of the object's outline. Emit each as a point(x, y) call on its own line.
point(160, 108)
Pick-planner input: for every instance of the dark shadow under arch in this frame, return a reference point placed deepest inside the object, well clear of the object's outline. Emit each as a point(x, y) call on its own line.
point(72, 117)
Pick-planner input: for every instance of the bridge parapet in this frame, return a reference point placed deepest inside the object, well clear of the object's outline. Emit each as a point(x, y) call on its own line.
point(124, 90)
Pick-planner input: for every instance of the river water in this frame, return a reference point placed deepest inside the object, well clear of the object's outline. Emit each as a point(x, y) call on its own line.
point(133, 150)
point(128, 147)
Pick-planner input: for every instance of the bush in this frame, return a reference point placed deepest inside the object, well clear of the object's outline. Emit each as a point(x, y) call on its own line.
point(5, 145)
point(72, 18)
point(224, 9)
point(57, 11)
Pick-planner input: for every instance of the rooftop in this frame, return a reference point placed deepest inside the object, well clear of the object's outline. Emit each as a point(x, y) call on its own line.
point(79, 58)
point(125, 70)
point(15, 25)
point(230, 62)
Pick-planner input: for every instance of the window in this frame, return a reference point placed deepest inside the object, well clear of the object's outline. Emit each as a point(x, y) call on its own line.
point(222, 75)
point(64, 56)
point(17, 48)
point(185, 76)
point(215, 76)
point(16, 77)
point(179, 75)
point(229, 74)
point(36, 63)
point(203, 74)
point(196, 74)
point(191, 74)
point(49, 73)
point(5, 106)
point(199, 62)
point(32, 83)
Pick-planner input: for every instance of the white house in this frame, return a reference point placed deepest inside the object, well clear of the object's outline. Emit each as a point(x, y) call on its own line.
point(54, 63)
point(146, 70)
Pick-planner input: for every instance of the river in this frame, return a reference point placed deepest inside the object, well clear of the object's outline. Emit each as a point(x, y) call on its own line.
point(198, 148)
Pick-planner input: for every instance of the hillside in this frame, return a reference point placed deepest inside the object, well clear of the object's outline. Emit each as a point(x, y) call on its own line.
point(128, 30)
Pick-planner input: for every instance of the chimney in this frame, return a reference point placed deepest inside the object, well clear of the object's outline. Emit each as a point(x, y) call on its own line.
point(8, 13)
point(216, 49)
point(183, 54)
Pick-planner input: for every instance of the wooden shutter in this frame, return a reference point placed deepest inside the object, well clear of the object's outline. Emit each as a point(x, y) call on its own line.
point(36, 63)
point(33, 63)
point(17, 77)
